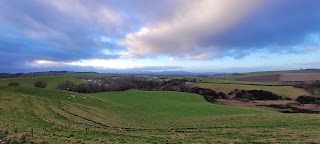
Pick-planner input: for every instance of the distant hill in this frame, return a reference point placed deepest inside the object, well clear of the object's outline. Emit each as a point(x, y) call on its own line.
point(171, 73)
point(32, 74)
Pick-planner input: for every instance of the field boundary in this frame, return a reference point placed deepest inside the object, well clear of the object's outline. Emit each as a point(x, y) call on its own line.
point(247, 84)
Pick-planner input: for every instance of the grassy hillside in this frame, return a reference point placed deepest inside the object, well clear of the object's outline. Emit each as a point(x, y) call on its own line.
point(162, 109)
point(142, 117)
point(288, 91)
point(52, 81)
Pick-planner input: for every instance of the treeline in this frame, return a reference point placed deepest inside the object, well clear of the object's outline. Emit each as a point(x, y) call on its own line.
point(8, 75)
point(311, 87)
point(122, 83)
point(107, 84)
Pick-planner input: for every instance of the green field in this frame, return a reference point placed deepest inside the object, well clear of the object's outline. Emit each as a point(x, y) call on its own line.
point(142, 117)
point(287, 91)
point(160, 109)
point(52, 81)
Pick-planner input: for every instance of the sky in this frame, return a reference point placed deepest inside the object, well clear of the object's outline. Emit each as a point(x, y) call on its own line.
point(152, 35)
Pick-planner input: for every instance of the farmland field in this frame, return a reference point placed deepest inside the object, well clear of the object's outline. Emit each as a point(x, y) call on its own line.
point(52, 81)
point(287, 91)
point(261, 78)
point(274, 77)
point(43, 115)
point(299, 76)
point(142, 117)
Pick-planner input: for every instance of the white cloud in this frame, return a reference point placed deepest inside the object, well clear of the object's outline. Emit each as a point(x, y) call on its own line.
point(183, 34)
point(44, 63)
point(103, 64)
point(66, 25)
point(91, 11)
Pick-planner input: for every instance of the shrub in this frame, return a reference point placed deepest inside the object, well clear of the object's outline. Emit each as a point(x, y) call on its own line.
point(208, 94)
point(310, 87)
point(40, 84)
point(257, 95)
point(287, 98)
point(308, 100)
point(67, 85)
point(14, 84)
point(83, 88)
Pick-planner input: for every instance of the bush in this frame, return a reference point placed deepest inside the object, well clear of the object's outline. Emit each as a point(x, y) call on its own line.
point(287, 98)
point(83, 88)
point(40, 84)
point(257, 95)
point(14, 84)
point(208, 94)
point(310, 87)
point(67, 85)
point(308, 100)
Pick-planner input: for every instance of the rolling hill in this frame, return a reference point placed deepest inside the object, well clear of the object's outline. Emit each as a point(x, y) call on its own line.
point(55, 116)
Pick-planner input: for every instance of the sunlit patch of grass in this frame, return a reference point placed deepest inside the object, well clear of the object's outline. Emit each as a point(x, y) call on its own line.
point(287, 91)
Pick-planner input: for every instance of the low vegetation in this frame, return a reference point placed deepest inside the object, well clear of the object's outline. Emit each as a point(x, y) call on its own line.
point(308, 100)
point(14, 84)
point(208, 94)
point(313, 87)
point(256, 95)
point(52, 81)
point(40, 84)
point(285, 91)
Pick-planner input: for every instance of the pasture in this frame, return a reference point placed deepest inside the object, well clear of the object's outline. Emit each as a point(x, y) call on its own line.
point(52, 81)
point(287, 91)
point(142, 117)
point(299, 76)
point(42, 115)
point(274, 77)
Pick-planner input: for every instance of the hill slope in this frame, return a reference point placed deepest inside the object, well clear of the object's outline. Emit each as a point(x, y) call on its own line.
point(40, 115)
point(52, 81)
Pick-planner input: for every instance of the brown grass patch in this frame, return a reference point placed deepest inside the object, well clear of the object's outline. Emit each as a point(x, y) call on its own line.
point(262, 78)
point(299, 76)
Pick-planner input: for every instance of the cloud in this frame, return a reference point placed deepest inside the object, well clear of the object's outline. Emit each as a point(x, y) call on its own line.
point(183, 34)
point(113, 34)
point(93, 11)
point(99, 65)
point(211, 29)
point(56, 31)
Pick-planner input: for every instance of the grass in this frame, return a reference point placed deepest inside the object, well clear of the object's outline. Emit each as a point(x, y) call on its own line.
point(168, 103)
point(233, 78)
point(143, 117)
point(52, 81)
point(158, 109)
point(287, 91)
